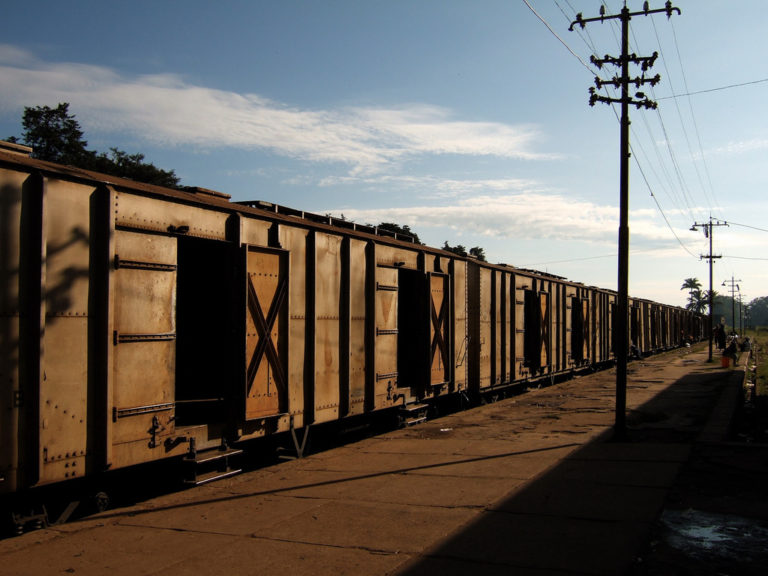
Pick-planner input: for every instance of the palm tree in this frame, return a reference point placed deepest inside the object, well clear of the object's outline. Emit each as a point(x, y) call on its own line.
point(696, 301)
point(691, 284)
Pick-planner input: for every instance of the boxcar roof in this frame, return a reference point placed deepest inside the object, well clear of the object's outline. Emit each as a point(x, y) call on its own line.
point(17, 157)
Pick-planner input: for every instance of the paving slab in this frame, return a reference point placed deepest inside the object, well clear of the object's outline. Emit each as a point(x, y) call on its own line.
point(137, 551)
point(572, 545)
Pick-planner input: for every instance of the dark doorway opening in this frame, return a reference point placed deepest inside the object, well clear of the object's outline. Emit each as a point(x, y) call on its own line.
point(206, 330)
point(532, 343)
point(412, 331)
point(577, 330)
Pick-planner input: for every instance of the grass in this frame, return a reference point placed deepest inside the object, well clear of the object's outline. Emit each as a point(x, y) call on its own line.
point(759, 337)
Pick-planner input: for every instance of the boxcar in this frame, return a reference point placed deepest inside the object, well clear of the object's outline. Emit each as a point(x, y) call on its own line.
point(140, 324)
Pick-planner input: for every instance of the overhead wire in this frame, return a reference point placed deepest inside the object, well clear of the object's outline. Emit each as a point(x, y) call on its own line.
point(745, 225)
point(572, 260)
point(746, 258)
point(677, 182)
point(671, 190)
point(713, 198)
point(587, 39)
point(678, 199)
point(676, 188)
point(680, 116)
point(728, 87)
point(661, 211)
point(685, 191)
point(531, 8)
point(583, 33)
point(667, 173)
point(616, 31)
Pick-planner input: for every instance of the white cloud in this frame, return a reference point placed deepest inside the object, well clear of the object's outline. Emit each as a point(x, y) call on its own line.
point(165, 109)
point(511, 215)
point(432, 186)
point(517, 209)
point(742, 147)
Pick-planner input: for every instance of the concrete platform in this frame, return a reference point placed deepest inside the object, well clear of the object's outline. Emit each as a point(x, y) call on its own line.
point(528, 485)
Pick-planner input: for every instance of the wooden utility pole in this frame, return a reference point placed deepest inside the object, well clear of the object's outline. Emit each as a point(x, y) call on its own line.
point(734, 288)
point(707, 226)
point(623, 82)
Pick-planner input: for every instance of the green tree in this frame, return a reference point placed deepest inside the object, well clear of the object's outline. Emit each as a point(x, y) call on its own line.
point(55, 136)
point(691, 284)
point(401, 230)
point(124, 165)
point(698, 301)
point(460, 250)
point(478, 253)
point(758, 311)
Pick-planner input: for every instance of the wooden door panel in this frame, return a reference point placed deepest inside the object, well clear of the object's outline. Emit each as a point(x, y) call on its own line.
point(266, 332)
point(439, 328)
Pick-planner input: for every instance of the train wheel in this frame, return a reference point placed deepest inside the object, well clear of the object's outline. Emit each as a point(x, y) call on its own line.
point(101, 501)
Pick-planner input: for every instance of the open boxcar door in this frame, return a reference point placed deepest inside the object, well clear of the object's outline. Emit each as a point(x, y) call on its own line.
point(545, 324)
point(144, 343)
point(266, 331)
point(439, 329)
point(423, 328)
point(580, 330)
point(586, 324)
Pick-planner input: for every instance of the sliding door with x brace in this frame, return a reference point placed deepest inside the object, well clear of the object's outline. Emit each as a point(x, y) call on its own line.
point(439, 295)
point(266, 332)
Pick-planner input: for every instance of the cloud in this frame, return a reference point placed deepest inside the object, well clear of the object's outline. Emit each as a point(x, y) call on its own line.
point(167, 110)
point(515, 209)
point(436, 188)
point(511, 215)
point(742, 147)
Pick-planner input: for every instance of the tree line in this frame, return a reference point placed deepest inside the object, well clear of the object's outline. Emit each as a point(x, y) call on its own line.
point(726, 309)
point(460, 250)
point(55, 136)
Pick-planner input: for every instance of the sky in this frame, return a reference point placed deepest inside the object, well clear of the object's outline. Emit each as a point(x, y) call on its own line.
point(468, 121)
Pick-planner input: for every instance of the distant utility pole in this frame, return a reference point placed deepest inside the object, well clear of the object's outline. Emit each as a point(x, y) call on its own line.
point(741, 313)
point(707, 226)
point(734, 288)
point(624, 81)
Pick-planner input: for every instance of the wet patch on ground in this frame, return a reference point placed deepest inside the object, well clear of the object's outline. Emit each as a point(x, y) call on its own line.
point(706, 543)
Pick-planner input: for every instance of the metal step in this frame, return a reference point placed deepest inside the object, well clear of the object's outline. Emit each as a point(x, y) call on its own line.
point(412, 414)
point(212, 455)
point(210, 465)
point(414, 421)
point(212, 476)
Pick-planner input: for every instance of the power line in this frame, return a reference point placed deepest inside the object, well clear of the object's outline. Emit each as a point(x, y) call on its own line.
point(713, 89)
point(745, 258)
point(684, 247)
point(682, 200)
point(572, 260)
point(747, 226)
point(677, 107)
point(568, 261)
point(713, 198)
point(556, 36)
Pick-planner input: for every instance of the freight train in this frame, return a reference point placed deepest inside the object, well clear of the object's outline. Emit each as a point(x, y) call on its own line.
point(140, 324)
